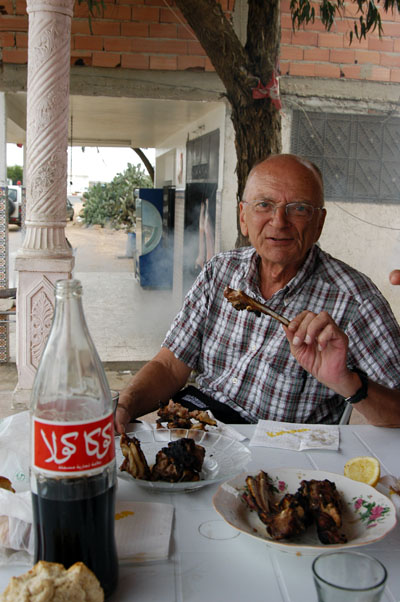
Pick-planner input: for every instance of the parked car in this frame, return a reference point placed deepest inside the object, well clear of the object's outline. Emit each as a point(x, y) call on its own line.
point(70, 211)
point(14, 198)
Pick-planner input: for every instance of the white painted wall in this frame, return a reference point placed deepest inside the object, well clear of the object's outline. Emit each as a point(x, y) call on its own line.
point(364, 235)
point(367, 237)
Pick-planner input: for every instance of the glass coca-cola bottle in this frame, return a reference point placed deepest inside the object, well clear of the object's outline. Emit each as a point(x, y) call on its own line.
point(73, 472)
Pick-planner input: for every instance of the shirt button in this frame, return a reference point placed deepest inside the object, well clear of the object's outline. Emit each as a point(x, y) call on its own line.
point(253, 347)
point(234, 380)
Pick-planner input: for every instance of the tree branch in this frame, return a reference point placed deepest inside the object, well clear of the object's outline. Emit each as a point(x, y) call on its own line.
point(147, 164)
point(220, 42)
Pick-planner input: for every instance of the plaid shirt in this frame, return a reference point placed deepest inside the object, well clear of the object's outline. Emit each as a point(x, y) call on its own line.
point(245, 361)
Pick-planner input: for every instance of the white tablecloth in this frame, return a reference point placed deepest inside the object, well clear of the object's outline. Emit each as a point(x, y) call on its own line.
point(210, 561)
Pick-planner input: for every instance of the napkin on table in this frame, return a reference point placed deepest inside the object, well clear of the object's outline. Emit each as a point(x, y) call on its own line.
point(142, 531)
point(295, 436)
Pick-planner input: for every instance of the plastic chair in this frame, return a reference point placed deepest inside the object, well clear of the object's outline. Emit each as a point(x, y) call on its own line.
point(345, 419)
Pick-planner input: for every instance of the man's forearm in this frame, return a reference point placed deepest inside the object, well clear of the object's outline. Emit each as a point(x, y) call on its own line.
point(382, 405)
point(139, 397)
point(157, 381)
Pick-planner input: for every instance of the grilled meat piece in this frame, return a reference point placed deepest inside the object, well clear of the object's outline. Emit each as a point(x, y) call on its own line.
point(177, 416)
point(285, 519)
point(317, 501)
point(325, 505)
point(259, 495)
point(203, 417)
point(134, 459)
point(174, 414)
point(290, 518)
point(182, 460)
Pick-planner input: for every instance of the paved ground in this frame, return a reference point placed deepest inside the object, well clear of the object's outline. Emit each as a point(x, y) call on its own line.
point(127, 323)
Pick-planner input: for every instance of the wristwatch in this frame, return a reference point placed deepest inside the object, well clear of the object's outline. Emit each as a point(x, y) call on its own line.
point(362, 392)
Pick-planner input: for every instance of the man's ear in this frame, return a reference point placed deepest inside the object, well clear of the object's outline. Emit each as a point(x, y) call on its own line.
point(242, 220)
point(321, 222)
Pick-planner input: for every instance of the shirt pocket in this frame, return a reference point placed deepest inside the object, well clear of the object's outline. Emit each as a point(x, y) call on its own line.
point(283, 391)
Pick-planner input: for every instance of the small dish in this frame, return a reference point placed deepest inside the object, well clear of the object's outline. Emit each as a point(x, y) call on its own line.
point(223, 459)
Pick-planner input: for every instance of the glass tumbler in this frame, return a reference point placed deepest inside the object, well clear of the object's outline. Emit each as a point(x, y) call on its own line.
point(348, 577)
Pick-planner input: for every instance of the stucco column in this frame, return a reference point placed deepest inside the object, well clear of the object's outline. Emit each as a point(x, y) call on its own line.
point(45, 255)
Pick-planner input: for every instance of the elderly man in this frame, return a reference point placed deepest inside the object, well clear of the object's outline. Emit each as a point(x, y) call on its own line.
point(342, 344)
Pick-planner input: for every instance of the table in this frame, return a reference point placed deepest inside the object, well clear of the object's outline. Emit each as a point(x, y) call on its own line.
point(210, 561)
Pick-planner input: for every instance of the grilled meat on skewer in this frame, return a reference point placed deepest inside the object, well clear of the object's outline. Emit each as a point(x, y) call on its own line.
point(241, 301)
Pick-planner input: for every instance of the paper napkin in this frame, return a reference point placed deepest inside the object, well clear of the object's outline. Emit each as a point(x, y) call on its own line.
point(142, 531)
point(295, 436)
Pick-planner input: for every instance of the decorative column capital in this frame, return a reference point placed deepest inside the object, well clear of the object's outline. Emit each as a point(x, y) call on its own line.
point(60, 6)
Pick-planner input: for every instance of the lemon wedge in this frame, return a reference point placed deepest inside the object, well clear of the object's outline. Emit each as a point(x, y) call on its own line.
point(363, 468)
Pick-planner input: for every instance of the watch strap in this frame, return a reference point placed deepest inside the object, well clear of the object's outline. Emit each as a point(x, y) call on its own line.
point(362, 392)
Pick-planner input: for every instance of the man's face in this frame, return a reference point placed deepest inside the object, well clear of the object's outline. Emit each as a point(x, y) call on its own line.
point(279, 240)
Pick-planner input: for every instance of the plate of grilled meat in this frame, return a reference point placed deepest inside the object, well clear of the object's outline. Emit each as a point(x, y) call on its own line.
point(178, 459)
point(305, 511)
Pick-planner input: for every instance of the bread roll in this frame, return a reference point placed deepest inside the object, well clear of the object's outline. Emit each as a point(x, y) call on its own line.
point(51, 582)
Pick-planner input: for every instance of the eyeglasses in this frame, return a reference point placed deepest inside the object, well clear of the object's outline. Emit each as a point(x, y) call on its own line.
point(294, 211)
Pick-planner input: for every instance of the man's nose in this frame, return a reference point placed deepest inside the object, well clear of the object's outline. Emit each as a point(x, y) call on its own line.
point(279, 215)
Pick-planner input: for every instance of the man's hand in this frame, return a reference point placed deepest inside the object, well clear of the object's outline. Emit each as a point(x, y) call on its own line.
point(320, 347)
point(394, 277)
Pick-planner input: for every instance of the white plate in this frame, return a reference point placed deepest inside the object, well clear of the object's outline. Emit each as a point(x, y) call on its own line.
point(367, 514)
point(224, 457)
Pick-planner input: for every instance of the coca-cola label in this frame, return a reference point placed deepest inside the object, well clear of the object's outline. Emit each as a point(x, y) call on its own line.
point(73, 447)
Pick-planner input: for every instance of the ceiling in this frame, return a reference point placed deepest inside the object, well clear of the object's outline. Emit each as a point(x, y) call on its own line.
point(110, 121)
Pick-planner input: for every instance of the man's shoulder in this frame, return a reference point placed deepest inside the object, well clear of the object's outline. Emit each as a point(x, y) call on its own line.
point(340, 274)
point(229, 267)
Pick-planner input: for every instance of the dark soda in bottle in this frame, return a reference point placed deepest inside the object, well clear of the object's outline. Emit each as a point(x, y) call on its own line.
point(73, 472)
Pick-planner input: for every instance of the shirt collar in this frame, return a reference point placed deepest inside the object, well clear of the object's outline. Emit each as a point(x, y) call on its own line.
point(252, 279)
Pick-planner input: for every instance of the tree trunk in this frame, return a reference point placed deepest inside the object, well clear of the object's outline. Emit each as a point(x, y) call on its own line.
point(256, 122)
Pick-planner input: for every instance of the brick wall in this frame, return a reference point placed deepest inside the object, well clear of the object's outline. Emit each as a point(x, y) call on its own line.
point(152, 34)
point(314, 52)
